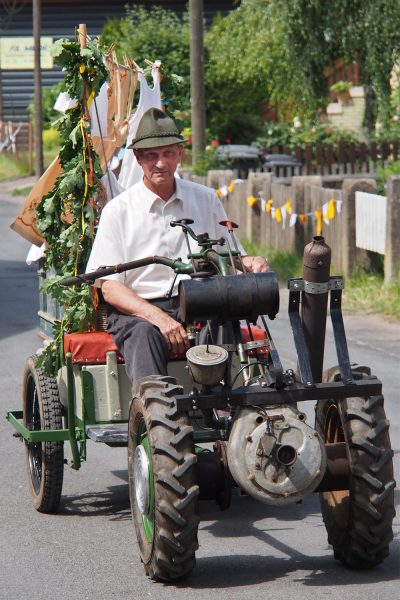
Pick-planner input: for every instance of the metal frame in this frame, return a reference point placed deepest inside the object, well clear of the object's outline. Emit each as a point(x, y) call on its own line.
point(74, 433)
point(282, 390)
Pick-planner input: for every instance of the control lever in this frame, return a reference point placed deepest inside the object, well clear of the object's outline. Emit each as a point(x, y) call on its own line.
point(183, 223)
point(231, 225)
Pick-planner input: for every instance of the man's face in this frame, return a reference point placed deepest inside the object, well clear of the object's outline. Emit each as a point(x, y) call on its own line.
point(159, 164)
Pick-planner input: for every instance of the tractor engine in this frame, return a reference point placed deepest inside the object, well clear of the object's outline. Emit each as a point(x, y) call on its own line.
point(274, 456)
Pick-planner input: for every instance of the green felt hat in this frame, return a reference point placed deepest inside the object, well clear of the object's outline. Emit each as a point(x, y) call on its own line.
point(155, 129)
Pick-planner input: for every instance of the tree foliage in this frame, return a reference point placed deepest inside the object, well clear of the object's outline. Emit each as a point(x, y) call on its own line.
point(270, 51)
point(156, 33)
point(237, 68)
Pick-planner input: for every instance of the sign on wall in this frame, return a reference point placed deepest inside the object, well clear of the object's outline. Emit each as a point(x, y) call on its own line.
point(17, 53)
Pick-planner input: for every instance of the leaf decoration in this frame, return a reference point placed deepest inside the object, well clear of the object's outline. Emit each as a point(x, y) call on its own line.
point(67, 214)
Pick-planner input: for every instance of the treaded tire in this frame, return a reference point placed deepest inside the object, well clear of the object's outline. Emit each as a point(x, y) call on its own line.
point(42, 409)
point(167, 531)
point(359, 520)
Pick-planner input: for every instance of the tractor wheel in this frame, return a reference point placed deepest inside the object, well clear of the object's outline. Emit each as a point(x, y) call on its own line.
point(45, 460)
point(359, 520)
point(162, 480)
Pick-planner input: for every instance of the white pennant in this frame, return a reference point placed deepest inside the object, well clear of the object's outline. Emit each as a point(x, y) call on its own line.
point(224, 190)
point(283, 213)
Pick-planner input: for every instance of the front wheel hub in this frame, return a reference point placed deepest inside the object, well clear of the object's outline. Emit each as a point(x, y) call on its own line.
point(142, 477)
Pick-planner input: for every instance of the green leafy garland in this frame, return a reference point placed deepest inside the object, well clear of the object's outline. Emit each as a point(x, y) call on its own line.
point(66, 215)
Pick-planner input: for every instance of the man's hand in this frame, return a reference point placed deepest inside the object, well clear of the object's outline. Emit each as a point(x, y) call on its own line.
point(255, 264)
point(173, 332)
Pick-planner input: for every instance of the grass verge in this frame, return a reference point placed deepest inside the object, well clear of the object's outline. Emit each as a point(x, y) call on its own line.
point(367, 293)
point(285, 264)
point(364, 292)
point(21, 191)
point(11, 168)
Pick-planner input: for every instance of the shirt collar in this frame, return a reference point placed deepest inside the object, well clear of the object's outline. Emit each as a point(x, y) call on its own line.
point(149, 198)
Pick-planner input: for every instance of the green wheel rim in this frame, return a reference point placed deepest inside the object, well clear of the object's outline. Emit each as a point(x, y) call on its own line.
point(147, 519)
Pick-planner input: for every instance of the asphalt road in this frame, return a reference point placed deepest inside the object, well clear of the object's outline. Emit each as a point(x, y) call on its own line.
point(88, 549)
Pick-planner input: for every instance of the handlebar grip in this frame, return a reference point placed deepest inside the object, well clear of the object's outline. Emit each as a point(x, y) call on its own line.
point(229, 225)
point(181, 222)
point(77, 280)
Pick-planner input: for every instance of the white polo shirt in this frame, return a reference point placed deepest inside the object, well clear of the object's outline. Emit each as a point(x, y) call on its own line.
point(136, 224)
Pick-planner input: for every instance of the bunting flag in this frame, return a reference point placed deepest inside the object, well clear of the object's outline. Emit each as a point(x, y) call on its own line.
point(225, 190)
point(284, 213)
point(318, 216)
point(323, 215)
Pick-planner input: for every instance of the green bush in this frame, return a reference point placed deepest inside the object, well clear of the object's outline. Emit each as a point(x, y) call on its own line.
point(298, 134)
point(51, 140)
point(341, 86)
point(49, 97)
point(383, 173)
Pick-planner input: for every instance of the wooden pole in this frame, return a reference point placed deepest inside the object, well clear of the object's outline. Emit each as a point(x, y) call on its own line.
point(30, 148)
point(197, 79)
point(38, 120)
point(82, 37)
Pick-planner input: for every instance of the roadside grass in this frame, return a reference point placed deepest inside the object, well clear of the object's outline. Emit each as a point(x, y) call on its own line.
point(367, 293)
point(10, 168)
point(22, 191)
point(284, 264)
point(364, 292)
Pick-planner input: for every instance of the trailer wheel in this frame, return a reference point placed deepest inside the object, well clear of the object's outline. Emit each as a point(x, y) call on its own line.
point(45, 460)
point(162, 480)
point(359, 520)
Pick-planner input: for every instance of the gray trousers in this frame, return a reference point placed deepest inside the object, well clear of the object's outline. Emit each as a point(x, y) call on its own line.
point(141, 343)
point(144, 347)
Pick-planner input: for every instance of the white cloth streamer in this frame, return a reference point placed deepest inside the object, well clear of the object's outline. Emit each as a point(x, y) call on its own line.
point(131, 172)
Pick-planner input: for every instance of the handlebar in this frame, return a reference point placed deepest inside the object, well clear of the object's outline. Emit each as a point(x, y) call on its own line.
point(207, 256)
point(175, 264)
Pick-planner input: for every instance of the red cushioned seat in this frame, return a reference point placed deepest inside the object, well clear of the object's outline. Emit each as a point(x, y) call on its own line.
point(91, 348)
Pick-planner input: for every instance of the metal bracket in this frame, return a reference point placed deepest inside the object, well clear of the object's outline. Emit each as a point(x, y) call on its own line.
point(340, 337)
point(299, 339)
point(310, 287)
point(256, 344)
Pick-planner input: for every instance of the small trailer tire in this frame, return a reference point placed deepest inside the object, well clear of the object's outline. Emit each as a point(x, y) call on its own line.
point(162, 480)
point(42, 409)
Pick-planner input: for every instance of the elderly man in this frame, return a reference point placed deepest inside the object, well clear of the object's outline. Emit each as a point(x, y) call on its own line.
point(142, 319)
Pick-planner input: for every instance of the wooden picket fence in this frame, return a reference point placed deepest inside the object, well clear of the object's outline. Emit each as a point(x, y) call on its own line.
point(342, 159)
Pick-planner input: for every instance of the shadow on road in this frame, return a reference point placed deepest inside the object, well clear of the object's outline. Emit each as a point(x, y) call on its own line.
point(113, 503)
point(234, 570)
point(240, 521)
point(19, 298)
point(230, 571)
